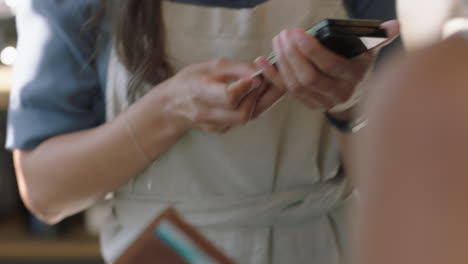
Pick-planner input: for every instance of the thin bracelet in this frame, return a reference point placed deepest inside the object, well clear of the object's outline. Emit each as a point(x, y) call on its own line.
point(132, 135)
point(346, 126)
point(350, 103)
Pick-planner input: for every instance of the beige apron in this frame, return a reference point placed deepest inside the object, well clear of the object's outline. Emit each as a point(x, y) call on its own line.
point(267, 192)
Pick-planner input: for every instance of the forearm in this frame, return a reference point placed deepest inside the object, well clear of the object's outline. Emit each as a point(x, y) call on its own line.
point(67, 173)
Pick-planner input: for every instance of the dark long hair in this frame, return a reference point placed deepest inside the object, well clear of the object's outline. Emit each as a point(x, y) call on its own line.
point(138, 35)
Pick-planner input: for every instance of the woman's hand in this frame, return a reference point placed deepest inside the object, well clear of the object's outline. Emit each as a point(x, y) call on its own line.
point(212, 96)
point(312, 73)
point(113, 153)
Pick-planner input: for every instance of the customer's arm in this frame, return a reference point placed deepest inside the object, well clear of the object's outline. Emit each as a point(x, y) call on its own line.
point(412, 165)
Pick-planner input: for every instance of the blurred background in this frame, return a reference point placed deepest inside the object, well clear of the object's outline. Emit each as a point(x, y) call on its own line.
point(23, 238)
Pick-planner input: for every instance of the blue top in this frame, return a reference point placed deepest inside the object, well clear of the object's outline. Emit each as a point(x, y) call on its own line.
point(61, 69)
point(57, 87)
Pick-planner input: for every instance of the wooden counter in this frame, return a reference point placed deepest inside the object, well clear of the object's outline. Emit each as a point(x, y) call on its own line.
point(15, 243)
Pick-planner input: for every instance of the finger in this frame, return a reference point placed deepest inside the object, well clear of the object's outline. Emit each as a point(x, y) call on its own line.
point(310, 82)
point(270, 73)
point(363, 65)
point(267, 100)
point(229, 117)
point(247, 107)
point(216, 94)
point(364, 60)
point(221, 118)
point(393, 31)
point(306, 74)
point(238, 90)
point(312, 87)
point(392, 27)
point(284, 68)
point(226, 70)
point(324, 59)
point(209, 93)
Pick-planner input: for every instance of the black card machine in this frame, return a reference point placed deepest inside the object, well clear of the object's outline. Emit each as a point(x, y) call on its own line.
point(347, 37)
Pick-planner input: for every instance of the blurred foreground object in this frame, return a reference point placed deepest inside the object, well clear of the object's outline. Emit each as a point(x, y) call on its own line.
point(410, 165)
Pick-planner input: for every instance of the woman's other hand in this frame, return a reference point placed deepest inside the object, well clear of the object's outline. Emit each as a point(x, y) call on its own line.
point(212, 96)
point(314, 74)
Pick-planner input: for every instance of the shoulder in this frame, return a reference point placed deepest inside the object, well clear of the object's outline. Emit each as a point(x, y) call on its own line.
point(63, 19)
point(58, 8)
point(56, 11)
point(56, 89)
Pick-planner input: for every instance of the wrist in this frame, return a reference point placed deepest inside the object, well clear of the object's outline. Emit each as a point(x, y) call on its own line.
point(342, 116)
point(164, 96)
point(153, 125)
point(345, 122)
